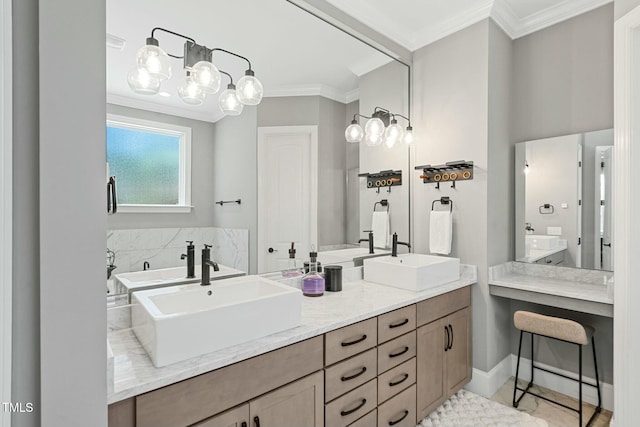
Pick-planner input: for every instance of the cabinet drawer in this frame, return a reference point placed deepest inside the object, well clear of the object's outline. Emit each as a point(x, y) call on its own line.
point(369, 420)
point(353, 405)
point(400, 411)
point(396, 323)
point(397, 379)
point(434, 308)
point(349, 374)
point(395, 352)
point(350, 340)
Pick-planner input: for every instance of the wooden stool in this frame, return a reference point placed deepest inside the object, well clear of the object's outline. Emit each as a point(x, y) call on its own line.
point(562, 330)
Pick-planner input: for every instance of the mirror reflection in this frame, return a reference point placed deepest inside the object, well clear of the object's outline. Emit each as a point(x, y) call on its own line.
point(563, 200)
point(279, 172)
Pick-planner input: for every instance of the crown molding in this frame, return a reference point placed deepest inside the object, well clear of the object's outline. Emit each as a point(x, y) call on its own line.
point(503, 15)
point(370, 64)
point(352, 95)
point(312, 90)
point(204, 116)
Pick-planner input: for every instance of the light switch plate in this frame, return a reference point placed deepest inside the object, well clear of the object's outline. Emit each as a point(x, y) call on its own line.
point(554, 231)
point(565, 206)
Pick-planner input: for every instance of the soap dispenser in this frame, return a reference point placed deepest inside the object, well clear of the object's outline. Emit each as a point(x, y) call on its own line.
point(313, 282)
point(292, 270)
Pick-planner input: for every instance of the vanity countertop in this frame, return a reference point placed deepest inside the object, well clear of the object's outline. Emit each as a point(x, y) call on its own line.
point(538, 254)
point(134, 373)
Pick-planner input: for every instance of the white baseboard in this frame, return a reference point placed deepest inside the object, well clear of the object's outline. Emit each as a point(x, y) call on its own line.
point(487, 383)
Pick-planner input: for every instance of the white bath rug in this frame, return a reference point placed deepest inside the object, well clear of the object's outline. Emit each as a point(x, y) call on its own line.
point(466, 409)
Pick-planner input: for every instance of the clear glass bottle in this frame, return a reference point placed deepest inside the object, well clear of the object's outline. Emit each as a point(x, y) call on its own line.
point(313, 282)
point(292, 270)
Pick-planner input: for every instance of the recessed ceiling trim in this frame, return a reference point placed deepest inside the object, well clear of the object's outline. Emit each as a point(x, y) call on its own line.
point(364, 67)
point(505, 17)
point(352, 95)
point(309, 90)
point(564, 10)
point(125, 101)
point(115, 42)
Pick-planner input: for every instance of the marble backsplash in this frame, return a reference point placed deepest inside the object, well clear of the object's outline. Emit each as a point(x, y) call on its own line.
point(162, 247)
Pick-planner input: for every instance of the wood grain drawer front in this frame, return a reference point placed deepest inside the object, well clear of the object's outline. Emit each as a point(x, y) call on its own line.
point(236, 417)
point(397, 379)
point(395, 352)
point(400, 411)
point(353, 405)
point(349, 374)
point(369, 420)
point(432, 309)
point(396, 323)
point(350, 340)
point(187, 402)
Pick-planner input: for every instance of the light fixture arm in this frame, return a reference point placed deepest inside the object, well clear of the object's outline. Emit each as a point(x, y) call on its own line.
point(231, 53)
point(228, 75)
point(173, 33)
point(400, 115)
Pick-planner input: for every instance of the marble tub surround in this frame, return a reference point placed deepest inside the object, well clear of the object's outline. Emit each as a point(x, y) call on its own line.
point(162, 247)
point(571, 288)
point(359, 300)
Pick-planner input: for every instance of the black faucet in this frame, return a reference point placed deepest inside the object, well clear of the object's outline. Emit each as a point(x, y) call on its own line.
point(191, 259)
point(206, 264)
point(528, 227)
point(394, 246)
point(145, 265)
point(370, 240)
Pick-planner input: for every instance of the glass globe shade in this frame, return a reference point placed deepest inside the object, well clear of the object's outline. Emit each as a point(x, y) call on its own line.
point(140, 81)
point(374, 127)
point(392, 134)
point(249, 89)
point(407, 138)
point(354, 133)
point(207, 76)
point(229, 102)
point(372, 140)
point(190, 92)
point(155, 61)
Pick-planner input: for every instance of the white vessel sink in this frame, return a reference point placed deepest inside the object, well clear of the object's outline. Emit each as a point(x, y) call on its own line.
point(181, 322)
point(414, 272)
point(355, 255)
point(542, 241)
point(149, 279)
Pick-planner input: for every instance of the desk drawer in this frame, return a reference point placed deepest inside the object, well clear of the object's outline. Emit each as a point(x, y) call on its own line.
point(395, 352)
point(349, 374)
point(396, 323)
point(353, 405)
point(369, 420)
point(350, 340)
point(399, 411)
point(397, 379)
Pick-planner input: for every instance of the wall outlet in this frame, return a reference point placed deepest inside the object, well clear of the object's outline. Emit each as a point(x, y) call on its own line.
point(554, 231)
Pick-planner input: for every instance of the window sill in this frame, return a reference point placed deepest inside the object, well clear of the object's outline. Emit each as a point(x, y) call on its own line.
point(153, 209)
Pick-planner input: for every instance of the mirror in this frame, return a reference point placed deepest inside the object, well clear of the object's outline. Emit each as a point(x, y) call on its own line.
point(563, 200)
point(314, 75)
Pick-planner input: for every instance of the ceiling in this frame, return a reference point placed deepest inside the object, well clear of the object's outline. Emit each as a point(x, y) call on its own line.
point(294, 53)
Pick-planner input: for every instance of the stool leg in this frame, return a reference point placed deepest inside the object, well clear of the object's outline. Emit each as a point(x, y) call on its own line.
point(515, 385)
point(580, 384)
point(531, 382)
point(595, 365)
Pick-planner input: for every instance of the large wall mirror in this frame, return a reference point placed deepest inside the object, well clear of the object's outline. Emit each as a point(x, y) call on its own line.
point(315, 79)
point(563, 200)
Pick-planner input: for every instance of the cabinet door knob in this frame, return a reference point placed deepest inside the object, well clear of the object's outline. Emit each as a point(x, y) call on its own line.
point(271, 250)
point(256, 421)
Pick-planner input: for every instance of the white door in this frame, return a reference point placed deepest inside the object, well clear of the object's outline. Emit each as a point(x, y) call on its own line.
point(579, 211)
point(287, 194)
point(604, 213)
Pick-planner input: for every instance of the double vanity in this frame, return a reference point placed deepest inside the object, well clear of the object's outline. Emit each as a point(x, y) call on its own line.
point(249, 351)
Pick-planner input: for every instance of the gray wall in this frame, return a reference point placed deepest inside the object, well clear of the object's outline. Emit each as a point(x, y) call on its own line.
point(452, 80)
point(624, 6)
point(233, 165)
point(563, 77)
point(72, 108)
point(202, 176)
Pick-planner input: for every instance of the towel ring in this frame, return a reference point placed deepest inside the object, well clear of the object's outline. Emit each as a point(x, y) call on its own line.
point(383, 202)
point(443, 201)
point(546, 207)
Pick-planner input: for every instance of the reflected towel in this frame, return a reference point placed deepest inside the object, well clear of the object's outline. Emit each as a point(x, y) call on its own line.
point(440, 232)
point(380, 227)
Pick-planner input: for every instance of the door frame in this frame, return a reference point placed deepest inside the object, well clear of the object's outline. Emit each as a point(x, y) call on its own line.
point(626, 202)
point(264, 131)
point(6, 218)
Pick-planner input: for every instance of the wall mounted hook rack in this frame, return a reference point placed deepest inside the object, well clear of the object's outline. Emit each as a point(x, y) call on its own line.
point(460, 170)
point(387, 178)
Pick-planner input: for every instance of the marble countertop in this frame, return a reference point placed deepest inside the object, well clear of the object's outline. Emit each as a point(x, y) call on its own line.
point(538, 254)
point(134, 373)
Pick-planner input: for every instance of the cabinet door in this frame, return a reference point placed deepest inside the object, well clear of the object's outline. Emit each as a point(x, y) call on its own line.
point(299, 404)
point(430, 370)
point(459, 355)
point(237, 417)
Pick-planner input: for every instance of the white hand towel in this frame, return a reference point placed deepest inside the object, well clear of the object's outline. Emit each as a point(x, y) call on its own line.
point(380, 227)
point(440, 232)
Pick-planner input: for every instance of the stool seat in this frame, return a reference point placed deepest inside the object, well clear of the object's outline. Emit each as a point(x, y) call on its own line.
point(553, 327)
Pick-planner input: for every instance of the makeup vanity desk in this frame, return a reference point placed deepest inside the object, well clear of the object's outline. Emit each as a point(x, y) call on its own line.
point(574, 289)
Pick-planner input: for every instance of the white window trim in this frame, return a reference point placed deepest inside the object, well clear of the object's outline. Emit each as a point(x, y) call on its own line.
point(184, 184)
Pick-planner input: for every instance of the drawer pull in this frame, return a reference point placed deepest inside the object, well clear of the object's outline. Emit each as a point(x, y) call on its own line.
point(400, 353)
point(397, 325)
point(244, 424)
point(395, 383)
point(350, 377)
point(446, 345)
point(256, 421)
point(347, 344)
point(404, 415)
point(351, 411)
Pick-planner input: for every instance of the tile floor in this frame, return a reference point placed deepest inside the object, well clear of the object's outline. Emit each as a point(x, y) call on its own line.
point(555, 415)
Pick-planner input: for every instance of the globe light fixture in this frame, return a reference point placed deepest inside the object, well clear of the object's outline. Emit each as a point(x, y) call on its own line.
point(249, 89)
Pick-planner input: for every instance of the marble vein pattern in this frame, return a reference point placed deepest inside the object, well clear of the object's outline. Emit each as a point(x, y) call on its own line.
point(587, 285)
point(359, 300)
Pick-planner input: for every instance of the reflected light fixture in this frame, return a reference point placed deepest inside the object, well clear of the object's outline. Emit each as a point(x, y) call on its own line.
point(381, 126)
point(153, 66)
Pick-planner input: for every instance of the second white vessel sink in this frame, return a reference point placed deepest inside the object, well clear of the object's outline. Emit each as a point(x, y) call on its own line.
point(355, 255)
point(414, 272)
point(537, 241)
point(181, 322)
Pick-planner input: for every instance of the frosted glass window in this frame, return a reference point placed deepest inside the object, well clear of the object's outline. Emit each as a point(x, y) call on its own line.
point(149, 161)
